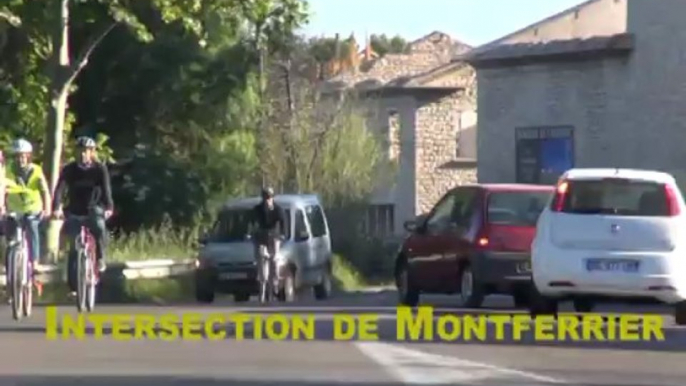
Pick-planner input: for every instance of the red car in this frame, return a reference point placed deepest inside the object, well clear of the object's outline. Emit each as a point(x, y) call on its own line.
point(475, 241)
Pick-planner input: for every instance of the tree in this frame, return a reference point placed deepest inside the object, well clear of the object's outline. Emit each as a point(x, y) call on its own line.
point(49, 22)
point(48, 71)
point(322, 145)
point(183, 116)
point(382, 44)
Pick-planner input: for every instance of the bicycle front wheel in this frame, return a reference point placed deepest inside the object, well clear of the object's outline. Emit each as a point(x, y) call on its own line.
point(91, 281)
point(82, 283)
point(265, 287)
point(27, 282)
point(15, 285)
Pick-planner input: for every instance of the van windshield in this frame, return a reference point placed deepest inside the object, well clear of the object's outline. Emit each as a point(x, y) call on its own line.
point(233, 225)
point(617, 197)
point(520, 208)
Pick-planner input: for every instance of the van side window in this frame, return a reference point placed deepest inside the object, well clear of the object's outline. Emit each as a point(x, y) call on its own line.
point(316, 218)
point(287, 231)
point(300, 226)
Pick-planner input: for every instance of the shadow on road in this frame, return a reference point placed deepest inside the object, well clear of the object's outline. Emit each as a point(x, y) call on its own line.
point(207, 381)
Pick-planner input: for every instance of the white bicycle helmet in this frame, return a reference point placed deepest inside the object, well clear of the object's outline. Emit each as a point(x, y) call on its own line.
point(22, 146)
point(85, 142)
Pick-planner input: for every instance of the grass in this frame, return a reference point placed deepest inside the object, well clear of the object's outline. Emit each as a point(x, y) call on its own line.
point(165, 243)
point(162, 242)
point(346, 277)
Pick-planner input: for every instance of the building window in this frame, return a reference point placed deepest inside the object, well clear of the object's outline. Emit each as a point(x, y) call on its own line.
point(393, 134)
point(380, 220)
point(543, 153)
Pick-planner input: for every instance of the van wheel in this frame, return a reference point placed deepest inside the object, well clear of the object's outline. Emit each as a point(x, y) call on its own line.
point(241, 297)
point(204, 294)
point(541, 305)
point(583, 305)
point(407, 294)
point(322, 290)
point(471, 291)
point(680, 313)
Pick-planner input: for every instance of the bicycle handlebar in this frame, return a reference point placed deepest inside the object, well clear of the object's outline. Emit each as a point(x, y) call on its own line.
point(17, 215)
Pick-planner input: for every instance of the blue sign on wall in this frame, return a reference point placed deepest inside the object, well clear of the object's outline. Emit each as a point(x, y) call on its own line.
point(543, 153)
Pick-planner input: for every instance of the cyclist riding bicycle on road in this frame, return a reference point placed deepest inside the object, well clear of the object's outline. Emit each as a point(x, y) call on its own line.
point(26, 193)
point(270, 219)
point(89, 195)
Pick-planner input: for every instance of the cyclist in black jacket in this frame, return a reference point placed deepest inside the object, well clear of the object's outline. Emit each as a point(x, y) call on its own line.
point(270, 219)
point(87, 182)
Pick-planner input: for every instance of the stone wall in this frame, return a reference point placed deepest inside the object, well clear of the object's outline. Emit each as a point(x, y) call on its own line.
point(437, 141)
point(401, 142)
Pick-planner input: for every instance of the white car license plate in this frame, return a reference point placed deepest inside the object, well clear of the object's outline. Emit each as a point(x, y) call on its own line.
point(233, 275)
point(612, 265)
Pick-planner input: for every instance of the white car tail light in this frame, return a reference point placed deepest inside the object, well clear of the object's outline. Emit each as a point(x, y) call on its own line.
point(672, 201)
point(560, 196)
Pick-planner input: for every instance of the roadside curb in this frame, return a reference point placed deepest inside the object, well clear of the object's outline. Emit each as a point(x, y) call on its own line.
point(129, 270)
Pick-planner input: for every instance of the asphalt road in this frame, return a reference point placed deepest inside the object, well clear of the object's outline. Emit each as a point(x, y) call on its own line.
point(28, 358)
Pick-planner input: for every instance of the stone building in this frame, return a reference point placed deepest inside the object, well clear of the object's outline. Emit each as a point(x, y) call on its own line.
point(426, 109)
point(599, 85)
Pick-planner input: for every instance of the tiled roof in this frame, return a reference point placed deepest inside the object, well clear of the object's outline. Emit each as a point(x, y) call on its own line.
point(562, 49)
point(425, 54)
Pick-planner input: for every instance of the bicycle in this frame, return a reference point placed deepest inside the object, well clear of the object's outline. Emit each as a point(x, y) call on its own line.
point(19, 269)
point(87, 274)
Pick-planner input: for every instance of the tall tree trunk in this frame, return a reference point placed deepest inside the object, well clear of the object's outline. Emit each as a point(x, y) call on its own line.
point(59, 92)
point(57, 112)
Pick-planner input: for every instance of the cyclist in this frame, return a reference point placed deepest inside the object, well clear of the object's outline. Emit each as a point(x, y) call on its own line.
point(89, 195)
point(26, 192)
point(270, 219)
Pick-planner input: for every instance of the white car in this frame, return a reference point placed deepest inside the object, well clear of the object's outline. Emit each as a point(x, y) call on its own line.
point(611, 234)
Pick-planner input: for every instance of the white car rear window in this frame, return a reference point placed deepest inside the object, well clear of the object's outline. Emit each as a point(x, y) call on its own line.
point(617, 197)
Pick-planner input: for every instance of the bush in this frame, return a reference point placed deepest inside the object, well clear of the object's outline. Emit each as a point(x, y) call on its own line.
point(373, 257)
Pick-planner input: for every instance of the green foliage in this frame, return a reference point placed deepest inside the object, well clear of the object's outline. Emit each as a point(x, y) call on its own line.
point(325, 147)
point(382, 44)
point(163, 241)
point(172, 95)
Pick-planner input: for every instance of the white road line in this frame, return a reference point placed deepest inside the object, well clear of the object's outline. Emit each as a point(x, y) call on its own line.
point(417, 367)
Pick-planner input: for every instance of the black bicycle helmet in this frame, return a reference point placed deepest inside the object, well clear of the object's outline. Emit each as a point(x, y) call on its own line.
point(85, 142)
point(267, 192)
